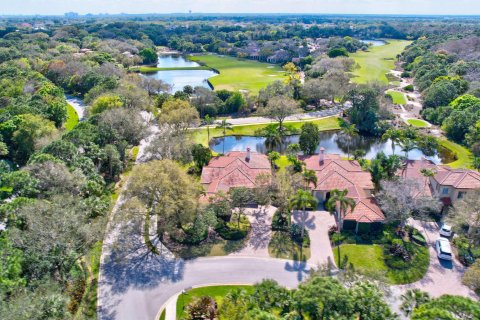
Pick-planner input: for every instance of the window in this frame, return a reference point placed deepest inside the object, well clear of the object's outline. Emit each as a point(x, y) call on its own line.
point(445, 191)
point(461, 194)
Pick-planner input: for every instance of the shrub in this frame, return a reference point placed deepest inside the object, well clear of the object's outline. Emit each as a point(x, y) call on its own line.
point(280, 219)
point(405, 74)
point(230, 230)
point(409, 88)
point(296, 235)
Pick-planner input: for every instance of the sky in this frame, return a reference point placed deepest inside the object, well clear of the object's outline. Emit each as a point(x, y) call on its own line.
point(424, 7)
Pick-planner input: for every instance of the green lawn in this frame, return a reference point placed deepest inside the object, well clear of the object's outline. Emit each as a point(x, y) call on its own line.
point(417, 123)
point(369, 259)
point(200, 135)
point(463, 155)
point(397, 97)
point(375, 63)
point(216, 292)
point(239, 74)
point(72, 118)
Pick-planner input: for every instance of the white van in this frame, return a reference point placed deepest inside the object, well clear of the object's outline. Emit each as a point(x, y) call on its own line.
point(444, 250)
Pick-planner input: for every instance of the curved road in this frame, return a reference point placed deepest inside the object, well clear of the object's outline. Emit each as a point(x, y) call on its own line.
point(138, 291)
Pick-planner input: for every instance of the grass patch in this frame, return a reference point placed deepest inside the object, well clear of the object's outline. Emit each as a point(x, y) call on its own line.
point(155, 69)
point(88, 306)
point(216, 292)
point(397, 97)
point(417, 123)
point(72, 118)
point(162, 315)
point(200, 135)
point(282, 246)
point(238, 74)
point(283, 162)
point(376, 63)
point(371, 259)
point(216, 248)
point(462, 154)
point(364, 257)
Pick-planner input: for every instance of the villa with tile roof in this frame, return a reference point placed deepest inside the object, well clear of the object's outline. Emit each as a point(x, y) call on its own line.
point(335, 173)
point(447, 183)
point(235, 169)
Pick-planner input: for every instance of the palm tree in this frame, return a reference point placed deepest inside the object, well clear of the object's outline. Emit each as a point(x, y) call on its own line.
point(394, 135)
point(407, 146)
point(302, 200)
point(272, 157)
point(273, 137)
point(427, 173)
point(351, 131)
point(224, 125)
point(344, 203)
point(412, 299)
point(309, 177)
point(208, 122)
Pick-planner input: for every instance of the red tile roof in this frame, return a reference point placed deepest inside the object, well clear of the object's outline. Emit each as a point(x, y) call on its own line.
point(335, 173)
point(458, 178)
point(233, 170)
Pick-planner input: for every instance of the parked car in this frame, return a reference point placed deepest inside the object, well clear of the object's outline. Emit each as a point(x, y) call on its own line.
point(444, 250)
point(446, 230)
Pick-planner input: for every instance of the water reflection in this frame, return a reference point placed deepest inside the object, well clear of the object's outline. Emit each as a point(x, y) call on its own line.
point(331, 141)
point(180, 78)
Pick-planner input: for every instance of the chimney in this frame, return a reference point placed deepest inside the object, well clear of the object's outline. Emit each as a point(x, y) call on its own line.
point(247, 157)
point(322, 155)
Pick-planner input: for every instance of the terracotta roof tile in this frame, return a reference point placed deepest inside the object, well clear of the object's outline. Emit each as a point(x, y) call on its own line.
point(233, 170)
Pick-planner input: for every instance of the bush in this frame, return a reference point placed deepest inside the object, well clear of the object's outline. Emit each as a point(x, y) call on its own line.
point(296, 235)
point(409, 88)
point(280, 219)
point(230, 230)
point(405, 74)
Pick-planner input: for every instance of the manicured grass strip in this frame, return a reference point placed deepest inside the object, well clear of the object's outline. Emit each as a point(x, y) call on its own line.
point(200, 135)
point(216, 292)
point(397, 97)
point(155, 69)
point(72, 118)
point(417, 123)
point(463, 155)
point(238, 74)
point(375, 63)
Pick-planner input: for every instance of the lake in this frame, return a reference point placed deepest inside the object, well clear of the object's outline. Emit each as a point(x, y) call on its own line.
point(374, 43)
point(331, 141)
point(180, 78)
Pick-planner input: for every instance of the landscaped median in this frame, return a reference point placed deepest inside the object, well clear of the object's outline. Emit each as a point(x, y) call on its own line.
point(401, 256)
point(218, 293)
point(200, 135)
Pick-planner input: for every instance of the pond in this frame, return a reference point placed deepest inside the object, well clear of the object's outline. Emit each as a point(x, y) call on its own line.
point(374, 43)
point(331, 141)
point(180, 78)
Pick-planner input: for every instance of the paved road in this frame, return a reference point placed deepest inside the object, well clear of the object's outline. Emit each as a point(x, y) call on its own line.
point(442, 277)
point(138, 290)
point(296, 117)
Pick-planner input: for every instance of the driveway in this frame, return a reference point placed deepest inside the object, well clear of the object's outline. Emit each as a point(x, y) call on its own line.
point(259, 237)
point(442, 277)
point(317, 223)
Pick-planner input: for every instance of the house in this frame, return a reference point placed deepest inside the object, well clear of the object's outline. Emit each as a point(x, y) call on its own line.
point(235, 169)
point(335, 173)
point(453, 184)
point(447, 183)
